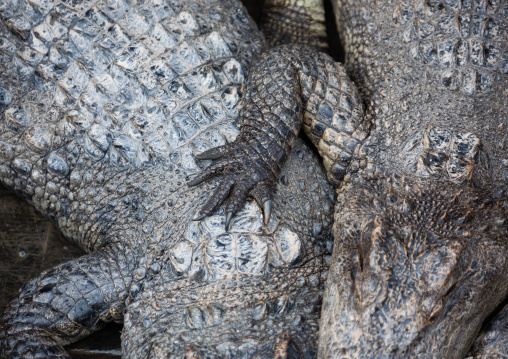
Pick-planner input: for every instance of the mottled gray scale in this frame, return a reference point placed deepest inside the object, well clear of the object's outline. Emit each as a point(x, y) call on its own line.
point(58, 164)
point(468, 38)
point(16, 118)
point(22, 166)
point(438, 151)
point(181, 256)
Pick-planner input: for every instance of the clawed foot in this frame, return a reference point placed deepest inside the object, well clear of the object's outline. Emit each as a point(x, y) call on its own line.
point(245, 172)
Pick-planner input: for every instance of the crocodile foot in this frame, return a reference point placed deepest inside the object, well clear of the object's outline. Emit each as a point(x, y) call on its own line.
point(245, 170)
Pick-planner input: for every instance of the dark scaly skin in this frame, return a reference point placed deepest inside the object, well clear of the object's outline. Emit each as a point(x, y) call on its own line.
point(294, 22)
point(438, 156)
point(493, 339)
point(67, 303)
point(421, 220)
point(103, 109)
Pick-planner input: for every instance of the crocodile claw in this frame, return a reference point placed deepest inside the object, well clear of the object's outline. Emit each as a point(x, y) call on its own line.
point(267, 212)
point(199, 218)
point(229, 215)
point(244, 173)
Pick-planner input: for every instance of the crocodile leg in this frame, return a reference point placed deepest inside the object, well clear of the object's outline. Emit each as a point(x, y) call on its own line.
point(64, 304)
point(290, 88)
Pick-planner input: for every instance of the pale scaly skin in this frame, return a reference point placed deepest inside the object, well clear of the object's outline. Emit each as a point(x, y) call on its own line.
point(420, 255)
point(104, 107)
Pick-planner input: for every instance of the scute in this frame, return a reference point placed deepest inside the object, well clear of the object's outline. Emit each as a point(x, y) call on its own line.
point(463, 43)
point(57, 164)
point(181, 256)
point(289, 245)
point(247, 247)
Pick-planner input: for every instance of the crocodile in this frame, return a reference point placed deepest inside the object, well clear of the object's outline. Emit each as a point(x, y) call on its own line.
point(105, 106)
point(413, 134)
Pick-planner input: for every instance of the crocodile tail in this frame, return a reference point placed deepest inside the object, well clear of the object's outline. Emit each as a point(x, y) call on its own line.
point(66, 303)
point(295, 22)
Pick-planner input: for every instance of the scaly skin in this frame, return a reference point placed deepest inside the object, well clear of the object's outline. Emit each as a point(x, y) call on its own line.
point(103, 109)
point(440, 122)
point(493, 339)
point(294, 22)
point(421, 220)
point(288, 84)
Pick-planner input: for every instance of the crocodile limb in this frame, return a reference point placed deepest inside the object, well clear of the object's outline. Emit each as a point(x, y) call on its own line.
point(313, 86)
point(290, 88)
point(66, 303)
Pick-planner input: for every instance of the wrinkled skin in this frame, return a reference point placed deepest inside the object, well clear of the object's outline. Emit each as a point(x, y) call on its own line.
point(104, 107)
point(418, 154)
point(493, 339)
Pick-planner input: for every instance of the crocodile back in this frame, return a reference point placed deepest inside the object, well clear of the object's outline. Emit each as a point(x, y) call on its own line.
point(95, 96)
